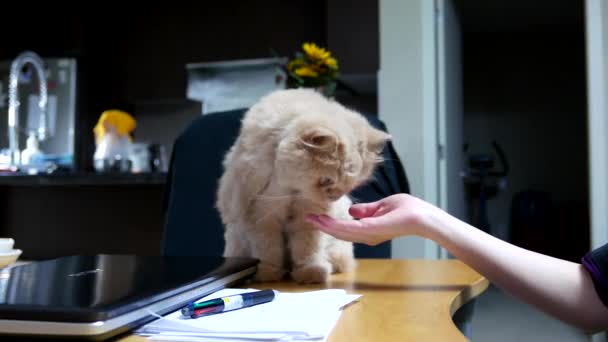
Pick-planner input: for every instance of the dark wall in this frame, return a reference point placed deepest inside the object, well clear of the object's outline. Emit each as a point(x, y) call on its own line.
point(526, 89)
point(139, 53)
point(129, 54)
point(353, 36)
point(161, 44)
point(126, 55)
point(353, 31)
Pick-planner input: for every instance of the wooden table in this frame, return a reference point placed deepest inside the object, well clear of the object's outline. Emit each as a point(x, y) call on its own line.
point(403, 300)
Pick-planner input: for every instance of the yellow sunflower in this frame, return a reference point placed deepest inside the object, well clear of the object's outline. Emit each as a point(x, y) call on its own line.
point(314, 52)
point(331, 63)
point(306, 71)
point(295, 64)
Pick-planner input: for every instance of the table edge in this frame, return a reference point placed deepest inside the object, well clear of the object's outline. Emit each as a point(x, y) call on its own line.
point(469, 293)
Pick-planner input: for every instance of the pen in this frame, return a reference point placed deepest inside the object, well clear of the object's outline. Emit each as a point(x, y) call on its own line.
point(229, 303)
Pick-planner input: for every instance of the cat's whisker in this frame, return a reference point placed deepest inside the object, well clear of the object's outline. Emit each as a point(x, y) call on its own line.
point(279, 197)
point(274, 197)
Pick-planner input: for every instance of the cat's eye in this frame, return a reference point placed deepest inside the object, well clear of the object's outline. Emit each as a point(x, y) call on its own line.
point(326, 181)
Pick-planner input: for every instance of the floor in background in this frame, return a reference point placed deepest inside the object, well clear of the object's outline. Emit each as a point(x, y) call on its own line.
point(500, 317)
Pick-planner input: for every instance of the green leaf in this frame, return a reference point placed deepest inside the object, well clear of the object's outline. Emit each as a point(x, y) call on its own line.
point(330, 88)
point(297, 78)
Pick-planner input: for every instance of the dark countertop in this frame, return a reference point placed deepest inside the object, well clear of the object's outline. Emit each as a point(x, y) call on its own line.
point(80, 179)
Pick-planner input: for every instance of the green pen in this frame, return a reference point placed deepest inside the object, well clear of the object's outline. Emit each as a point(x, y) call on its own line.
point(229, 303)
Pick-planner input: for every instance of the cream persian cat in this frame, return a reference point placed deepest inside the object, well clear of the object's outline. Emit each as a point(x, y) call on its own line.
point(297, 153)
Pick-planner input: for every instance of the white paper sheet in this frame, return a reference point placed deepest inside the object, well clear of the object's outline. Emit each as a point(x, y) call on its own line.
point(290, 316)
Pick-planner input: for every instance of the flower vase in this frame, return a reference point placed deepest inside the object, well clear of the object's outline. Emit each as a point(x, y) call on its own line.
point(328, 90)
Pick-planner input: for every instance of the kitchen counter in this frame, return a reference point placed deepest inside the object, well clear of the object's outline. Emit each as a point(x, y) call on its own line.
point(82, 213)
point(82, 179)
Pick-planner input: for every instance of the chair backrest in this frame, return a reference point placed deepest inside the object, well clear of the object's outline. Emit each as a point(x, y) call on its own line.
point(193, 225)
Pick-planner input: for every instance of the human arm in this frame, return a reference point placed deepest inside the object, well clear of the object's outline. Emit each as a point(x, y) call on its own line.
point(561, 288)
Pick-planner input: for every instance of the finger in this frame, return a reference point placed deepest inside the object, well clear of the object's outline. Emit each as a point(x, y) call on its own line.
point(330, 223)
point(314, 219)
point(362, 210)
point(350, 230)
point(340, 231)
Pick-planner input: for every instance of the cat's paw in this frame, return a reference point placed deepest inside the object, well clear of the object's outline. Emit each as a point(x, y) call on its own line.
point(311, 273)
point(268, 272)
point(343, 263)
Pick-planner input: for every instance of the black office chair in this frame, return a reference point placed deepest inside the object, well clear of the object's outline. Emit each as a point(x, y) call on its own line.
point(193, 225)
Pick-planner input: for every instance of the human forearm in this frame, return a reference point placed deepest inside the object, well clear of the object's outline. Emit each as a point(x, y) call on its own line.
point(561, 288)
point(558, 287)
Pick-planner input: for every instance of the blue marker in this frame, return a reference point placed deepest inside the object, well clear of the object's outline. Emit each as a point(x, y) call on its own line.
point(229, 303)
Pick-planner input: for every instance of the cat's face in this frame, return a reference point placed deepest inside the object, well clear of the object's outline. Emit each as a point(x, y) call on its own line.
point(324, 162)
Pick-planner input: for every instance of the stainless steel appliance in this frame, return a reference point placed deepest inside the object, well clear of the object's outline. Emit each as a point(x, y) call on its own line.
point(59, 141)
point(234, 84)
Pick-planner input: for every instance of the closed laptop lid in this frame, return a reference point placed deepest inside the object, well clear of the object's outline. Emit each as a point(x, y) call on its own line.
point(100, 287)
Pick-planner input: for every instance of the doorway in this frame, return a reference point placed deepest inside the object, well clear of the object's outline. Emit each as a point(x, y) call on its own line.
point(524, 89)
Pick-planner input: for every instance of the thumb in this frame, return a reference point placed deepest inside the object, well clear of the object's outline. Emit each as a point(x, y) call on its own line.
point(363, 210)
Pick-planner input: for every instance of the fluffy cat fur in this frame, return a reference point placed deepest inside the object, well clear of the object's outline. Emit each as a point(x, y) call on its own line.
point(297, 153)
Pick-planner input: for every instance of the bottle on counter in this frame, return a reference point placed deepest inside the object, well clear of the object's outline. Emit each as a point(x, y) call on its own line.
point(113, 142)
point(31, 155)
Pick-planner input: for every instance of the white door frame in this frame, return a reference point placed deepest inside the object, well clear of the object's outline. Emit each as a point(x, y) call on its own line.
point(596, 27)
point(450, 111)
point(407, 101)
point(596, 14)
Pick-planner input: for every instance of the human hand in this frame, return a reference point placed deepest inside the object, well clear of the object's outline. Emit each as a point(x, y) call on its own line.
point(379, 221)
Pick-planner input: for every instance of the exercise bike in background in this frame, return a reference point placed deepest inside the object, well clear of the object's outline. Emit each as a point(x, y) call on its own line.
point(482, 182)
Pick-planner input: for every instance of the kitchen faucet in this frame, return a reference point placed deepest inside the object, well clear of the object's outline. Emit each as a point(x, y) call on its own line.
point(13, 101)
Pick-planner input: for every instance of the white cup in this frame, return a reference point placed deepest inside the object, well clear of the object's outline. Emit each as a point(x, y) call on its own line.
point(6, 245)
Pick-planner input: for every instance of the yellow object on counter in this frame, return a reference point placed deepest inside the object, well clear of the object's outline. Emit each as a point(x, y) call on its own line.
point(114, 120)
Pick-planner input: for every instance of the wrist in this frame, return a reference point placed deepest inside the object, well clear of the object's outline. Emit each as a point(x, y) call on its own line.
point(433, 224)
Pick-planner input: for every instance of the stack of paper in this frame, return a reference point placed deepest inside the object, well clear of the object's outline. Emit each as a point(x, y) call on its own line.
point(290, 316)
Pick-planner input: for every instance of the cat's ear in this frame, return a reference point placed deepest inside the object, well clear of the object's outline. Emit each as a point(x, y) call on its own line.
point(319, 139)
point(376, 140)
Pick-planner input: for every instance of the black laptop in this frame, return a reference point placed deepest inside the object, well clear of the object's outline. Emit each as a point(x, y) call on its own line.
point(101, 296)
